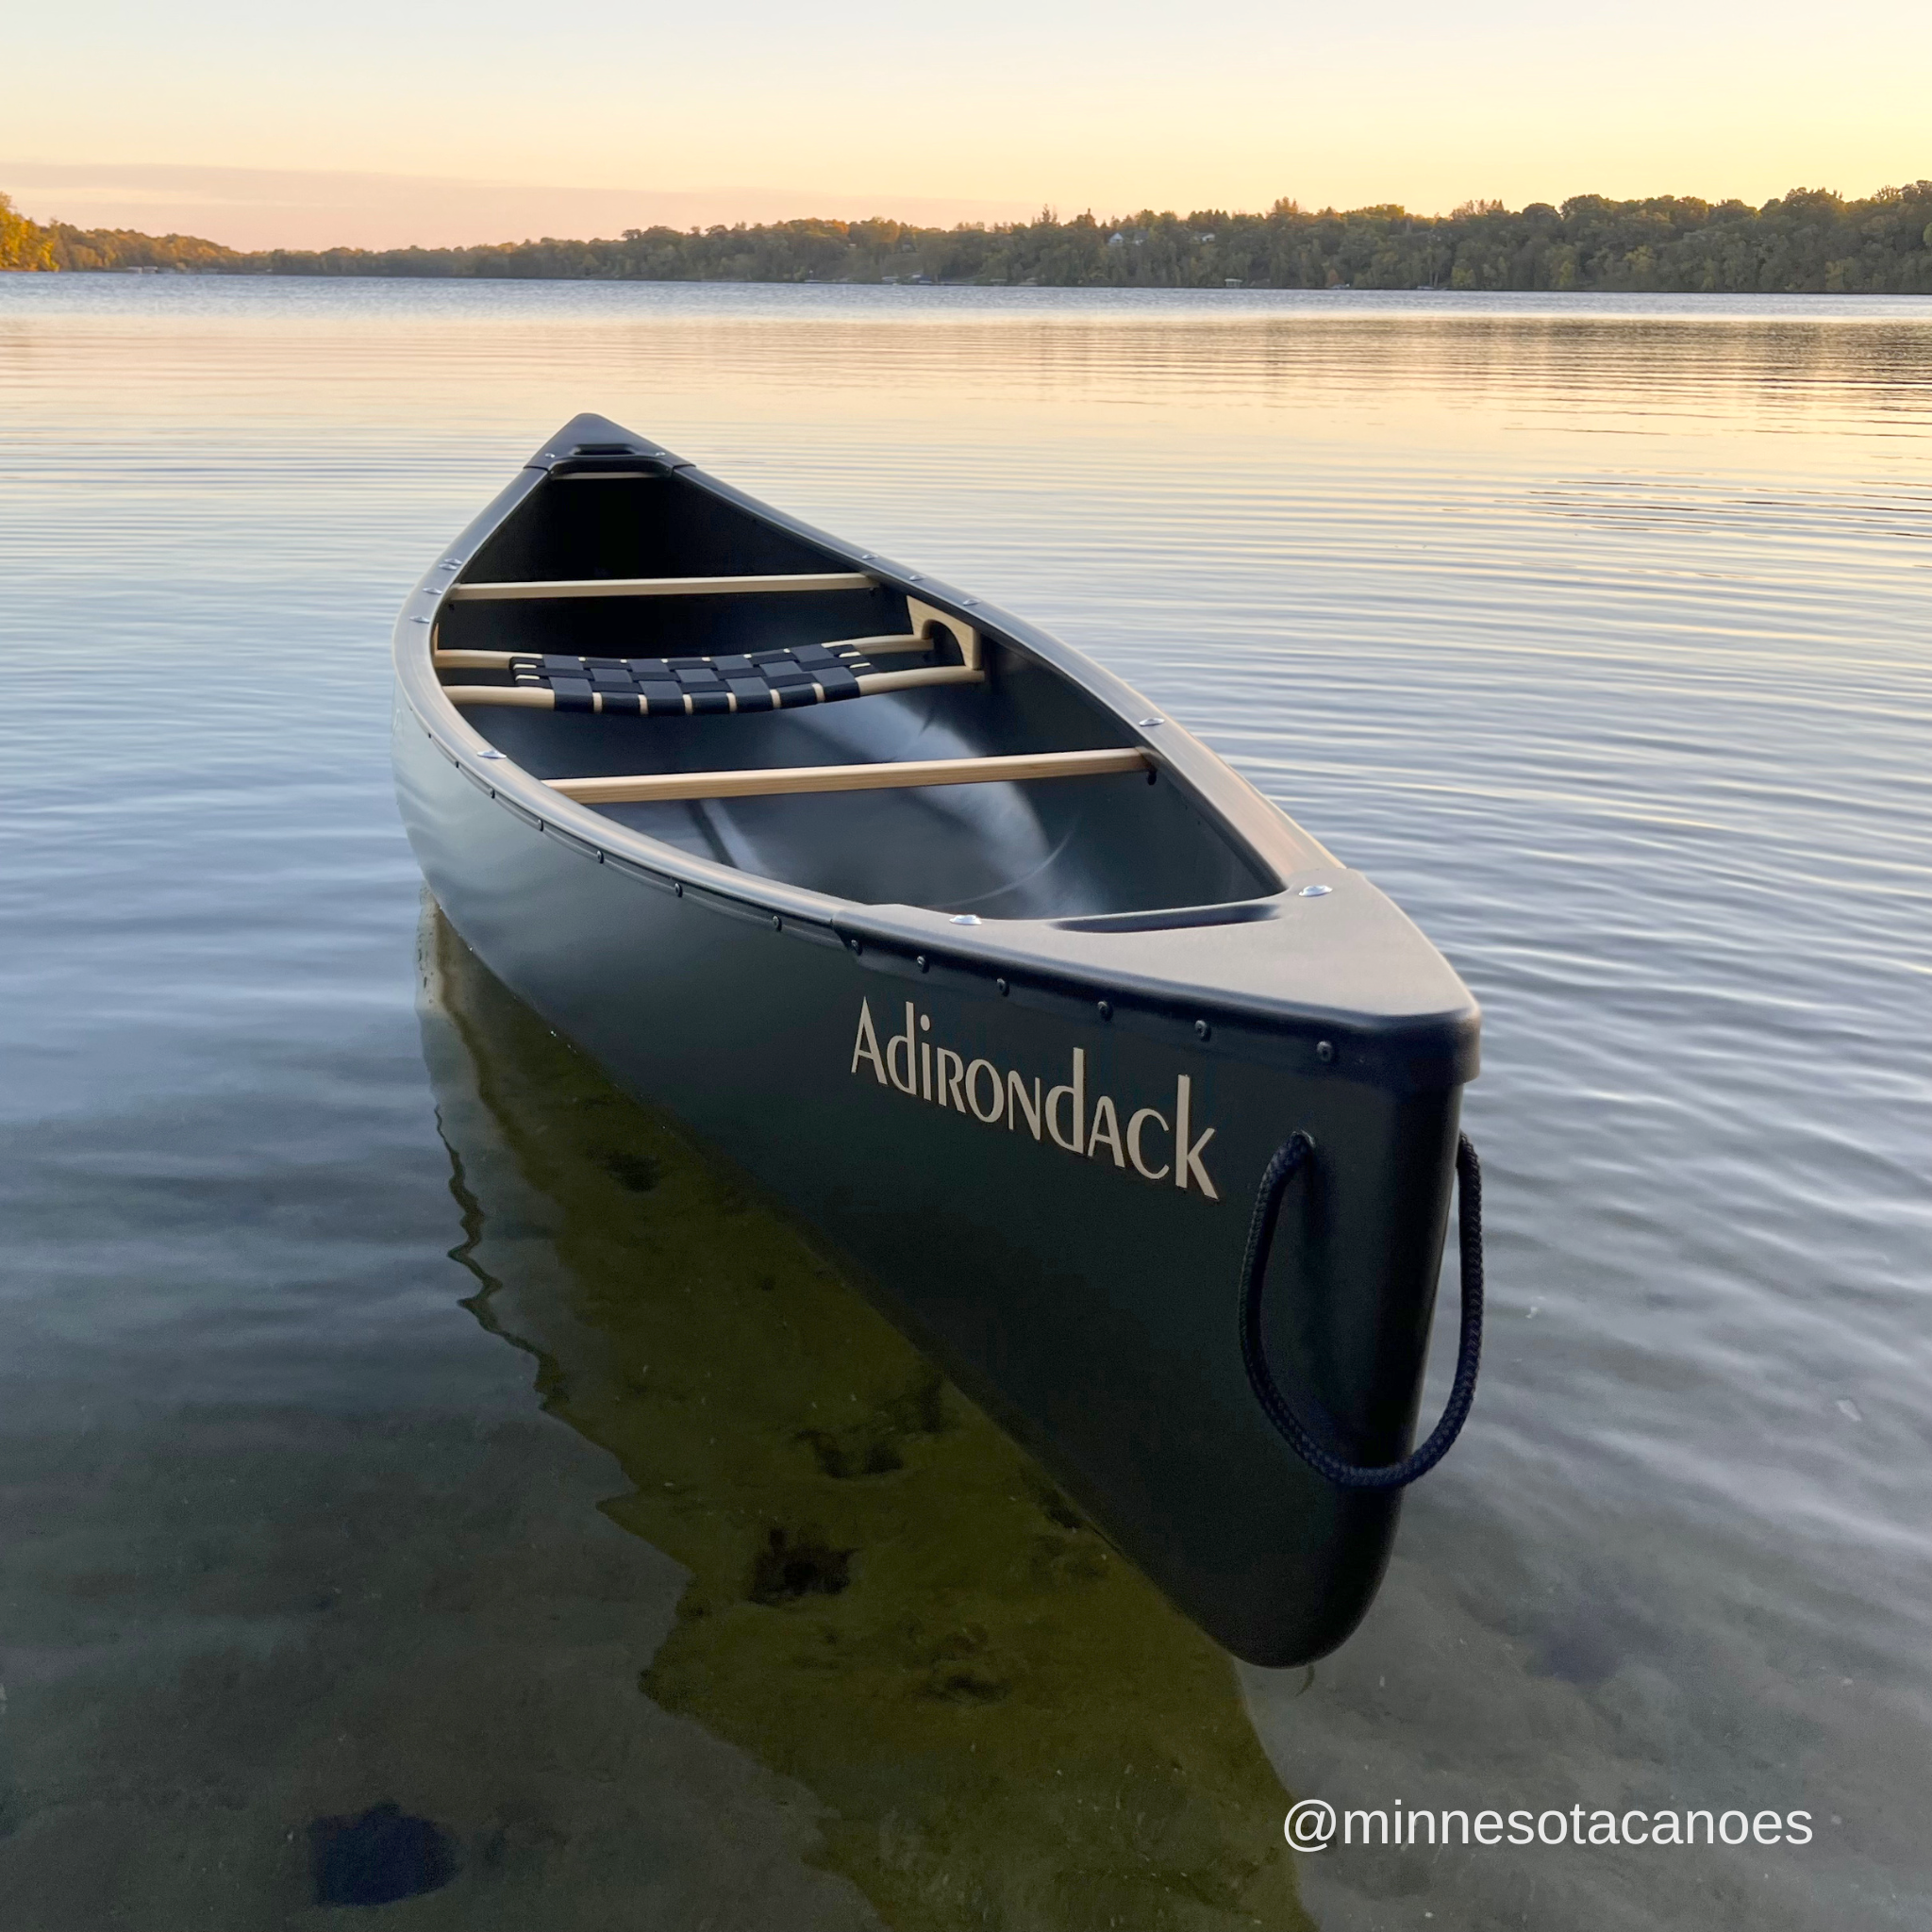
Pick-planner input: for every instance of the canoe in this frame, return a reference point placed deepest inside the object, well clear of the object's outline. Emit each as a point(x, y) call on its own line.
point(1129, 1103)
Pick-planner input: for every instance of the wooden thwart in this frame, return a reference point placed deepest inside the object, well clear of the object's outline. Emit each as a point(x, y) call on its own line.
point(660, 587)
point(667, 787)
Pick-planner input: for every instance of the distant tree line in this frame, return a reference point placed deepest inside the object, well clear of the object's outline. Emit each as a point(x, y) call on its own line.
point(1807, 242)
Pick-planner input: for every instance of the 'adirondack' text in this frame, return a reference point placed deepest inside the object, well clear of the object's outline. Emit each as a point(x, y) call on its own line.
point(1155, 1145)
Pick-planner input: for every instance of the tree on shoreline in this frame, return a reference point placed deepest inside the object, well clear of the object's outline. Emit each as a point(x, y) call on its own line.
point(22, 243)
point(1807, 242)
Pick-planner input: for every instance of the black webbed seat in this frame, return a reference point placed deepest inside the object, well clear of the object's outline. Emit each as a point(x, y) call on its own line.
point(685, 687)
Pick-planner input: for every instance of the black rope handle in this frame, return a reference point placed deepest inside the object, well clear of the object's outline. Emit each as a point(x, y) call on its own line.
point(1290, 1158)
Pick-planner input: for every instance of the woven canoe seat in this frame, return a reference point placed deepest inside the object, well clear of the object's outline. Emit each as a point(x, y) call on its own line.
point(683, 686)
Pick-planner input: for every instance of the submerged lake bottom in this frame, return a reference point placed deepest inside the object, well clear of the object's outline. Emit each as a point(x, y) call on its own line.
point(433, 1484)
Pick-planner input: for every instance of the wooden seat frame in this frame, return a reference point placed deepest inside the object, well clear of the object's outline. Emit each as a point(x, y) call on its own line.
point(667, 787)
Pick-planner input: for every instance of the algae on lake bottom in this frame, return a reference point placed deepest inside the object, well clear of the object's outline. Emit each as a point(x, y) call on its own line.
point(1004, 1722)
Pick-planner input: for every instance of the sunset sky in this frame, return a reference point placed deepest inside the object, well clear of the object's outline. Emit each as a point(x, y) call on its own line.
point(424, 119)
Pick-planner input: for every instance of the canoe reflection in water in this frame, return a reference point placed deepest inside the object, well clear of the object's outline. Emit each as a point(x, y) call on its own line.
point(1004, 1722)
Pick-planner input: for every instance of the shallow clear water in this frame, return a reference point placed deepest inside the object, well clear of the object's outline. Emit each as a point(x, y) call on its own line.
point(1596, 630)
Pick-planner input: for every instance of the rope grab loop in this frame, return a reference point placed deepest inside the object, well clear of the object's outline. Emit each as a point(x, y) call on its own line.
point(1288, 1159)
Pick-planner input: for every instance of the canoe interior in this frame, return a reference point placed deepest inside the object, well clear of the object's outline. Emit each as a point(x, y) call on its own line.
point(1057, 848)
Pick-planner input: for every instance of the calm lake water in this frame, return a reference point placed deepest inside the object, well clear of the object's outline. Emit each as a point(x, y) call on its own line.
point(390, 1413)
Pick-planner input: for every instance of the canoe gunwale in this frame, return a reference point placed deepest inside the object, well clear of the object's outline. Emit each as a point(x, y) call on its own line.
point(1263, 836)
point(1053, 961)
point(1397, 1056)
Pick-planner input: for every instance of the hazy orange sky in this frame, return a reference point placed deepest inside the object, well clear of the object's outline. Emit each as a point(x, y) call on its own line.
point(423, 119)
